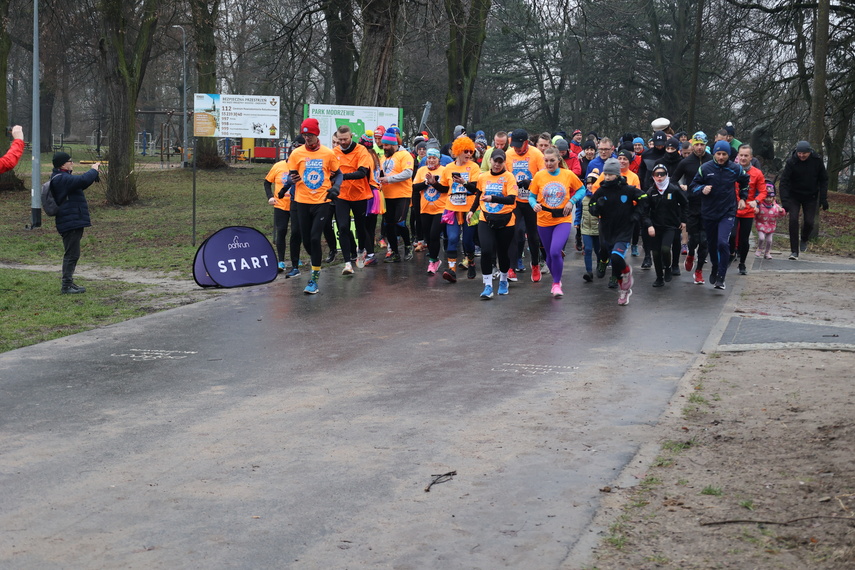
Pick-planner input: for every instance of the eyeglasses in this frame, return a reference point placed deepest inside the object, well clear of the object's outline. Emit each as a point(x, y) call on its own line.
point(660, 174)
point(606, 149)
point(469, 151)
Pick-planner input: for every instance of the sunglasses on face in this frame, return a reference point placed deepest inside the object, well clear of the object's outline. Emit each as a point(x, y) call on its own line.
point(660, 174)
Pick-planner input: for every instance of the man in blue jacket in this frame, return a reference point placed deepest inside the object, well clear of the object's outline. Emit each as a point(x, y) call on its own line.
point(716, 182)
point(73, 214)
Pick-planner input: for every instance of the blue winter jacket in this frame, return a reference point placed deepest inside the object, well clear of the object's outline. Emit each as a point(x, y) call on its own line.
point(68, 192)
point(721, 202)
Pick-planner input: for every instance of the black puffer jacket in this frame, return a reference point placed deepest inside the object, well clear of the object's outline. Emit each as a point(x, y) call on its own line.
point(68, 193)
point(804, 179)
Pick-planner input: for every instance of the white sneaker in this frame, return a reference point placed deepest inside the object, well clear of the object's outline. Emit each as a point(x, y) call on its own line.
point(360, 259)
point(348, 269)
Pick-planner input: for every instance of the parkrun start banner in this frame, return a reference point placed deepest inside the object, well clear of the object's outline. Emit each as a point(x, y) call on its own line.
point(235, 256)
point(244, 116)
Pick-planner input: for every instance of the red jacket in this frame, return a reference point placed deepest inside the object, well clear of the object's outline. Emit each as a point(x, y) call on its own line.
point(756, 192)
point(12, 156)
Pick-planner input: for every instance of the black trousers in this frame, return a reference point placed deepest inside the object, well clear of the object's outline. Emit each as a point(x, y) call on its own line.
point(809, 207)
point(313, 218)
point(495, 244)
point(71, 244)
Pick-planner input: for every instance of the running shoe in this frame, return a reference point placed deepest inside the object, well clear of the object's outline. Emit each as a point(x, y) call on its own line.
point(623, 297)
point(449, 275)
point(470, 271)
point(520, 265)
point(689, 263)
point(311, 288)
point(588, 277)
point(408, 253)
point(371, 261)
point(684, 250)
point(612, 282)
point(647, 263)
point(675, 270)
point(487, 293)
point(383, 243)
point(635, 251)
point(496, 272)
point(556, 290)
point(348, 269)
point(464, 263)
point(360, 259)
point(331, 257)
point(503, 287)
point(626, 279)
point(659, 282)
point(768, 256)
point(742, 269)
point(803, 246)
point(794, 256)
point(719, 284)
point(601, 269)
point(432, 267)
point(667, 277)
point(699, 277)
point(293, 273)
point(477, 251)
point(535, 273)
point(281, 266)
point(758, 253)
point(394, 258)
point(512, 275)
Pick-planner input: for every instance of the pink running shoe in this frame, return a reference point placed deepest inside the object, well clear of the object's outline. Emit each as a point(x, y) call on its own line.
point(556, 290)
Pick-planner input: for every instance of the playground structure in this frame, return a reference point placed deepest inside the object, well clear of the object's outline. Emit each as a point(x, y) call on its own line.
point(245, 150)
point(167, 143)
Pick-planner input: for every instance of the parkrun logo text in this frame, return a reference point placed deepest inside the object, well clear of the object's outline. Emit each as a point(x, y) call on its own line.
point(237, 244)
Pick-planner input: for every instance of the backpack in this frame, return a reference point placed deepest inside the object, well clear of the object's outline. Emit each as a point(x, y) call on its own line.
point(49, 204)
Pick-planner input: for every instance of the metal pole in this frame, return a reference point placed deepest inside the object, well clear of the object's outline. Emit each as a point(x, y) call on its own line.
point(195, 142)
point(184, 161)
point(36, 139)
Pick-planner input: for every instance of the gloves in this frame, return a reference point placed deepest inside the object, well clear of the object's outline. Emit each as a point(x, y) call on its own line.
point(523, 183)
point(332, 193)
point(592, 207)
point(824, 204)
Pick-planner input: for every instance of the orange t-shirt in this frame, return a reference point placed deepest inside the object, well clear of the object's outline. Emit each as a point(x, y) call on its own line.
point(503, 184)
point(432, 200)
point(360, 189)
point(524, 167)
point(458, 199)
point(277, 176)
point(315, 168)
point(554, 191)
point(398, 162)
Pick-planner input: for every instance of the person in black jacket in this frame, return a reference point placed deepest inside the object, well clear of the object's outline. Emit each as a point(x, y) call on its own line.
point(73, 214)
point(616, 204)
point(803, 181)
point(686, 170)
point(664, 218)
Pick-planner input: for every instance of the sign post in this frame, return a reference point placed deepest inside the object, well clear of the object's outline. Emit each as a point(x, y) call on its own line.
point(234, 116)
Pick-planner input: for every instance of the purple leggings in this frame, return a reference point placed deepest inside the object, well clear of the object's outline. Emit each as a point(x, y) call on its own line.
point(553, 239)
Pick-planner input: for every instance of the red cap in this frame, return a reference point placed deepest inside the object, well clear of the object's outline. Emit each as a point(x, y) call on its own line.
point(310, 127)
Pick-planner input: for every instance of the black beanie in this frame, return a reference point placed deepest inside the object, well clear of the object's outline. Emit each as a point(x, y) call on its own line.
point(60, 158)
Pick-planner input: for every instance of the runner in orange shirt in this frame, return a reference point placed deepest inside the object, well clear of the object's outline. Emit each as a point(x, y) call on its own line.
point(317, 179)
point(459, 180)
point(432, 205)
point(524, 161)
point(357, 173)
point(397, 187)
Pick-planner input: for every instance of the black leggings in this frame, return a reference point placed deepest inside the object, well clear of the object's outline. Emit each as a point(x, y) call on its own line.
point(697, 239)
point(432, 228)
point(343, 208)
point(526, 226)
point(395, 220)
point(495, 244)
point(661, 248)
point(313, 218)
point(739, 238)
point(281, 218)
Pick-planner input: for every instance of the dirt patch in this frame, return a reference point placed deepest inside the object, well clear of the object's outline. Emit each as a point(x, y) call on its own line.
point(162, 291)
point(752, 440)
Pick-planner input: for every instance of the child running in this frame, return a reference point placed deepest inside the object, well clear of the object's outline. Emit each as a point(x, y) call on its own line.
point(550, 193)
point(766, 216)
point(616, 204)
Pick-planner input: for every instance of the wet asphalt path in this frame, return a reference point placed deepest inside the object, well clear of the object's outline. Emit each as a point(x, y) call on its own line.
point(268, 428)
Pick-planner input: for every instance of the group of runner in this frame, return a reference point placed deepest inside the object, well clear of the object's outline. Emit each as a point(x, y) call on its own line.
point(474, 199)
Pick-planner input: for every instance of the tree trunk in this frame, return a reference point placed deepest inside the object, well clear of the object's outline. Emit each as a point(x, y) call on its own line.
point(467, 35)
point(817, 108)
point(46, 99)
point(378, 49)
point(339, 15)
point(205, 14)
point(696, 65)
point(8, 180)
point(124, 56)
